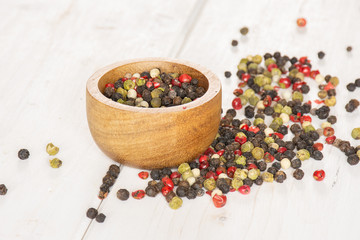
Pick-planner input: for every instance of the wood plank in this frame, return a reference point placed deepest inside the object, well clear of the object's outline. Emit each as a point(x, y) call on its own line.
point(294, 209)
point(49, 50)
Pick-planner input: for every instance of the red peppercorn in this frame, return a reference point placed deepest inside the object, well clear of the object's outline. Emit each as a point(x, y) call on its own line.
point(279, 135)
point(156, 84)
point(175, 175)
point(220, 152)
point(271, 66)
point(267, 101)
point(143, 175)
point(329, 86)
point(328, 131)
point(303, 60)
point(284, 82)
point(138, 194)
point(165, 190)
point(244, 189)
point(208, 192)
point(176, 82)
point(168, 182)
point(305, 118)
point(244, 126)
point(254, 129)
point(219, 201)
point(236, 104)
point(203, 165)
point(203, 158)
point(110, 85)
point(124, 79)
point(220, 170)
point(318, 146)
point(185, 78)
point(251, 166)
point(230, 171)
point(301, 22)
point(237, 92)
point(306, 70)
point(268, 157)
point(319, 175)
point(330, 140)
point(211, 174)
point(209, 151)
point(245, 77)
point(281, 149)
point(238, 152)
point(240, 140)
point(317, 101)
point(149, 84)
point(314, 73)
point(232, 189)
point(242, 84)
point(297, 85)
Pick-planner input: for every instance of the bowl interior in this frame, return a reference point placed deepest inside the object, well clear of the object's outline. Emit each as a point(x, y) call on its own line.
point(138, 67)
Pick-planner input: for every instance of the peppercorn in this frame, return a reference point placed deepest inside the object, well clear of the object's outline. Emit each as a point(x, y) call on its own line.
point(351, 87)
point(319, 175)
point(191, 194)
point(353, 159)
point(349, 48)
point(23, 154)
point(91, 213)
point(108, 179)
point(244, 31)
point(55, 163)
point(355, 133)
point(352, 105)
point(317, 155)
point(298, 174)
point(100, 218)
point(3, 189)
point(175, 202)
point(267, 177)
point(296, 163)
point(332, 119)
point(234, 43)
point(123, 194)
point(280, 176)
point(321, 55)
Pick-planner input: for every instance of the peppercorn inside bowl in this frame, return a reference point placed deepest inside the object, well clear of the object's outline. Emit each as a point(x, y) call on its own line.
point(153, 137)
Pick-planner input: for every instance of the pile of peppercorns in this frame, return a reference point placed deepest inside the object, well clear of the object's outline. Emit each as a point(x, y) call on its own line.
point(154, 89)
point(247, 152)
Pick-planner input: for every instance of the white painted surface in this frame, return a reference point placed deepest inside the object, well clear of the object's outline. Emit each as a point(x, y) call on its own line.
point(50, 48)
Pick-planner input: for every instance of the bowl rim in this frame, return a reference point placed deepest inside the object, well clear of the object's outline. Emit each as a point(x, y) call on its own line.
point(213, 89)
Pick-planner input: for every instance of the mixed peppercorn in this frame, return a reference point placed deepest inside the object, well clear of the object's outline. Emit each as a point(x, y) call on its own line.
point(154, 89)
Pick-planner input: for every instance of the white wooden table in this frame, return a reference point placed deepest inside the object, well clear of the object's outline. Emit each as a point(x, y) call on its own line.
point(48, 49)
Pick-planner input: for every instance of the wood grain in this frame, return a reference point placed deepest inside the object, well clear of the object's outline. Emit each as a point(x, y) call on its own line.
point(153, 137)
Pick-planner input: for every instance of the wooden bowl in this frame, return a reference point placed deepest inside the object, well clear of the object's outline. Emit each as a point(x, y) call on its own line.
point(153, 137)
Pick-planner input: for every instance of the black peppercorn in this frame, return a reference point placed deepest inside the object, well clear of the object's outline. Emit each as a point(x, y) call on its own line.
point(248, 181)
point(349, 151)
point(351, 87)
point(261, 165)
point(3, 189)
point(123, 194)
point(91, 213)
point(259, 181)
point(349, 49)
point(109, 180)
point(200, 192)
point(234, 43)
point(272, 170)
point(249, 111)
point(296, 163)
point(109, 91)
point(321, 55)
point(353, 159)
point(280, 177)
point(276, 165)
point(227, 74)
point(100, 218)
point(317, 155)
point(298, 174)
point(151, 191)
point(23, 154)
point(191, 194)
point(155, 174)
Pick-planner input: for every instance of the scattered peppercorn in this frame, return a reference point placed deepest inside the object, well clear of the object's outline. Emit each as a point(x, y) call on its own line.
point(55, 163)
point(227, 74)
point(351, 87)
point(321, 55)
point(355, 133)
point(123, 194)
point(3, 189)
point(349, 49)
point(234, 43)
point(298, 174)
point(100, 218)
point(91, 213)
point(23, 154)
point(244, 31)
point(51, 149)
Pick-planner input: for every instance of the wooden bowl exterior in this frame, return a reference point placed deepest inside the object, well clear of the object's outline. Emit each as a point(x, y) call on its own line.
point(153, 137)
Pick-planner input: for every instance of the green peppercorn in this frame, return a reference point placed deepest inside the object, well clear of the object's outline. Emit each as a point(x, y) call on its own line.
point(331, 101)
point(258, 153)
point(309, 128)
point(186, 100)
point(184, 167)
point(236, 183)
point(241, 160)
point(244, 100)
point(286, 110)
point(249, 92)
point(253, 173)
point(129, 84)
point(334, 81)
point(187, 174)
point(297, 96)
point(175, 202)
point(55, 163)
point(258, 121)
point(51, 149)
point(209, 184)
point(155, 102)
point(260, 80)
point(247, 147)
point(303, 154)
point(156, 93)
point(269, 61)
point(355, 133)
point(267, 177)
point(257, 59)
